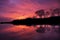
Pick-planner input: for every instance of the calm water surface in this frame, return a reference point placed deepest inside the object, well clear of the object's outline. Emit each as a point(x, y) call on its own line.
point(22, 32)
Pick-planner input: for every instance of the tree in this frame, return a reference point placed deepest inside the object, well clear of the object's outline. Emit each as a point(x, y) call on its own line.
point(40, 13)
point(47, 14)
point(56, 11)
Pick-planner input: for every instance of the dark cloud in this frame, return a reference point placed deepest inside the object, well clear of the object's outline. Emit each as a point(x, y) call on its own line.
point(3, 2)
point(49, 3)
point(4, 19)
point(44, 1)
point(3, 5)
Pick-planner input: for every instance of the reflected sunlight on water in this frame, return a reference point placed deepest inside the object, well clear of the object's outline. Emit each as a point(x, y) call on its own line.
point(18, 28)
point(29, 32)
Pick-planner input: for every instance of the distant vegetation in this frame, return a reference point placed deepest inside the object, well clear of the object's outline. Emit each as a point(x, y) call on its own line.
point(53, 12)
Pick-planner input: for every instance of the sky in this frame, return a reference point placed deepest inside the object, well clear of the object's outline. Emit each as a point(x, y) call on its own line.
point(18, 9)
point(21, 9)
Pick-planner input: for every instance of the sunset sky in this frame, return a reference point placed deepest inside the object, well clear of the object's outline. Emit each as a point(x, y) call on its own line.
point(20, 9)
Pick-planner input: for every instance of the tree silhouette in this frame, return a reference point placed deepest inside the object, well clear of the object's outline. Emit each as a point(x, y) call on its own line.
point(47, 14)
point(51, 12)
point(40, 13)
point(56, 11)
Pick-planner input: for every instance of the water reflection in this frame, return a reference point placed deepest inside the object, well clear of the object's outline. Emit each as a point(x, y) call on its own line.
point(48, 28)
point(36, 32)
point(56, 29)
point(41, 29)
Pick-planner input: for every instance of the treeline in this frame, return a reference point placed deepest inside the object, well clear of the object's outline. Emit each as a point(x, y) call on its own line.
point(44, 14)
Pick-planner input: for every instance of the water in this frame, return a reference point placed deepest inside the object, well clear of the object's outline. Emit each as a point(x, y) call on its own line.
point(22, 32)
